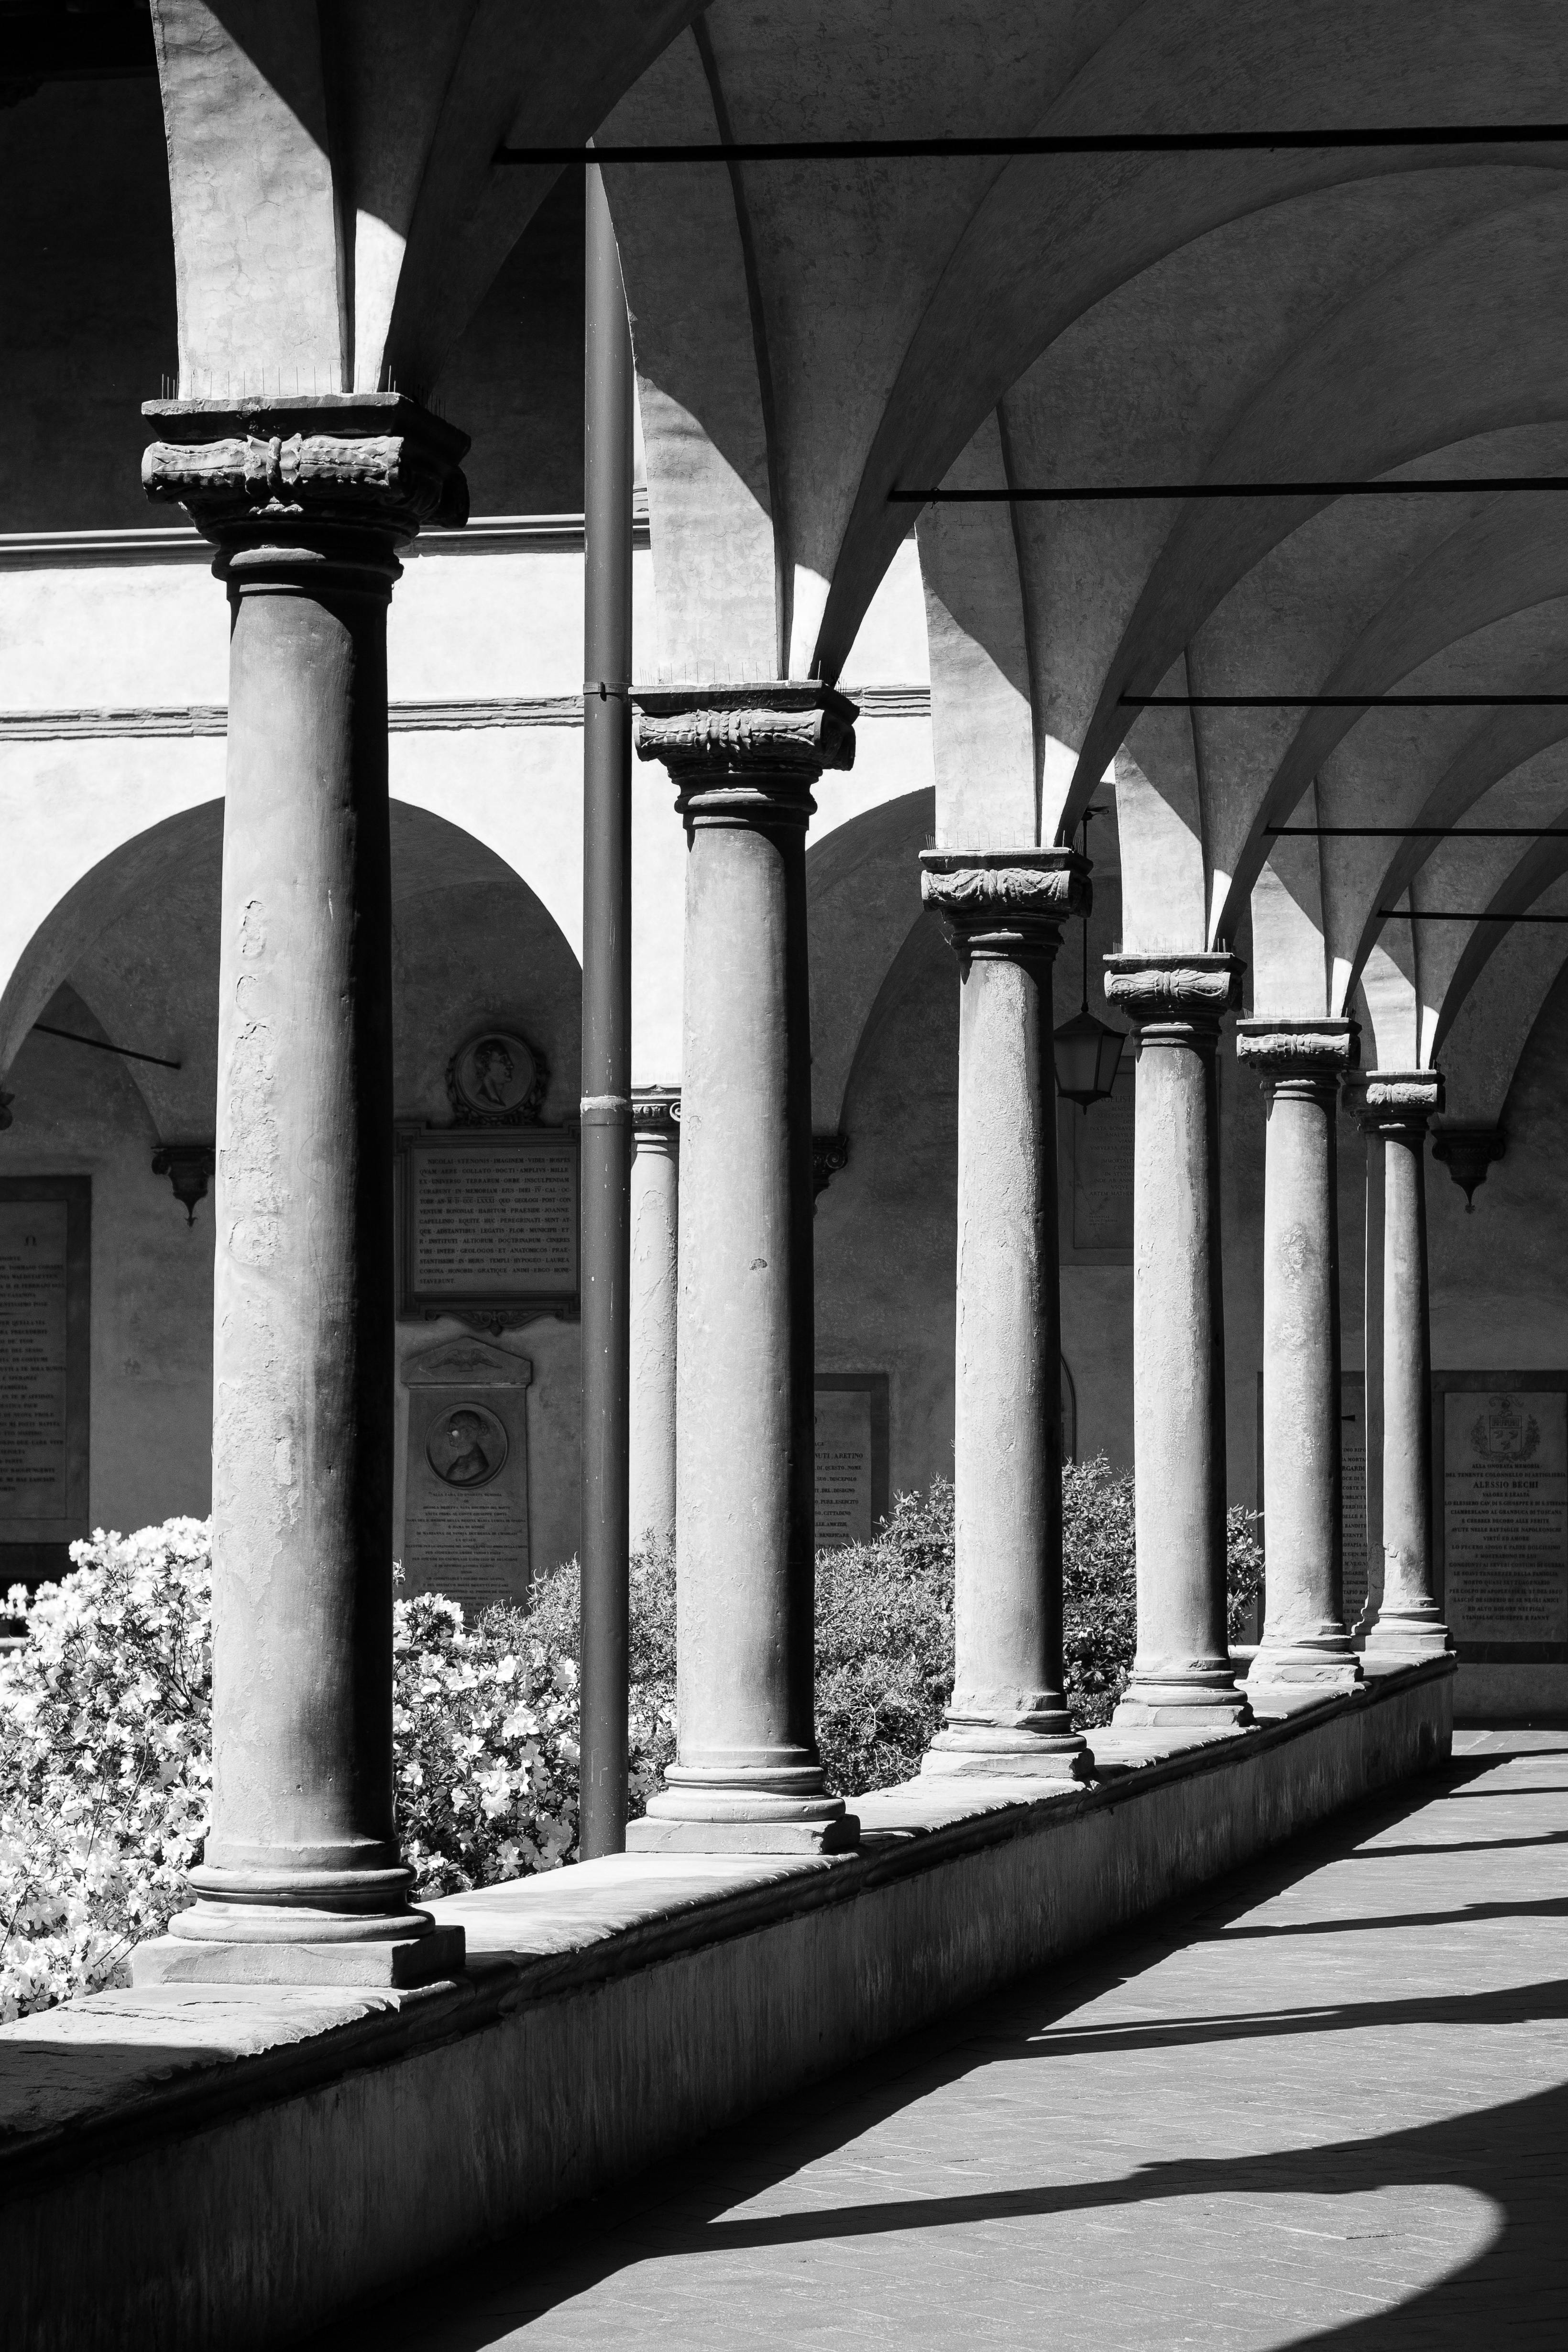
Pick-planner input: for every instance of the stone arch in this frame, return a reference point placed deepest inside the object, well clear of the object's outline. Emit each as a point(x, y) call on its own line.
point(98, 897)
point(433, 858)
point(132, 950)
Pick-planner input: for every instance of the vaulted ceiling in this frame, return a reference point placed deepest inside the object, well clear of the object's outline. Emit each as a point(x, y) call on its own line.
point(812, 336)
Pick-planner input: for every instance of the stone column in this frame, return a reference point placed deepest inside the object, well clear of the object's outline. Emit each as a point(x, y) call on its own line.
point(307, 501)
point(1396, 1105)
point(748, 1778)
point(1306, 1653)
point(655, 1192)
point(1003, 911)
point(1182, 1679)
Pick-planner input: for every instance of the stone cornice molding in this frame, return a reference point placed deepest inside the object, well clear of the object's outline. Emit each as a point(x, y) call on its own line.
point(1390, 1102)
point(657, 1114)
point(273, 468)
point(483, 534)
point(454, 715)
point(1313, 1054)
point(1176, 993)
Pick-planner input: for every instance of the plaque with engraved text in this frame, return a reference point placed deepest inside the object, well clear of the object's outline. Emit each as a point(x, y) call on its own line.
point(489, 1223)
point(1503, 1492)
point(463, 1476)
point(850, 1457)
point(45, 1277)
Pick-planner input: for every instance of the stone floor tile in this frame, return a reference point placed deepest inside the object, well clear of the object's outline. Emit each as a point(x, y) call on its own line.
point(1323, 2103)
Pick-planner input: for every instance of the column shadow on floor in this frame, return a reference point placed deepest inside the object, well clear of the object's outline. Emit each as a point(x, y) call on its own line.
point(679, 2208)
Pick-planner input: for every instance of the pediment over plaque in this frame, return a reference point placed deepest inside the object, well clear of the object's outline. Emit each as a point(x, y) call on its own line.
point(466, 1364)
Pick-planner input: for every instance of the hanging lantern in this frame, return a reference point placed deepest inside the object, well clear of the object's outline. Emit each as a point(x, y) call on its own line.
point(1087, 1056)
point(1088, 1052)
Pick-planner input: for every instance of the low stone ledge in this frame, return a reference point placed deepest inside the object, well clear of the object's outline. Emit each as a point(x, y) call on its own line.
point(193, 2165)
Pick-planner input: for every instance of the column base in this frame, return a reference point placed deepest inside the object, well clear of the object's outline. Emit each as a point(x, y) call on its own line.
point(1210, 1700)
point(970, 1750)
point(1418, 1633)
point(1289, 1673)
point(779, 1810)
point(289, 1958)
point(1292, 1675)
point(266, 1924)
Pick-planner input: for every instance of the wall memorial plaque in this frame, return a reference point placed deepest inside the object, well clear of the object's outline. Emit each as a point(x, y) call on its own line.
point(464, 1445)
point(488, 1221)
point(1101, 1198)
point(852, 1456)
point(46, 1276)
point(1500, 1468)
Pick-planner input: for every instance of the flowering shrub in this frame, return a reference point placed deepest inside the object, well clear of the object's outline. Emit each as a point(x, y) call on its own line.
point(104, 1761)
point(1099, 1584)
point(885, 1627)
point(549, 1625)
point(105, 1755)
point(884, 1645)
point(105, 1733)
point(484, 1750)
point(486, 1726)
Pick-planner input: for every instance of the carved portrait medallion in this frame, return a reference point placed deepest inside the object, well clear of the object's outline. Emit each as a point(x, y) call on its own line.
point(466, 1446)
point(497, 1079)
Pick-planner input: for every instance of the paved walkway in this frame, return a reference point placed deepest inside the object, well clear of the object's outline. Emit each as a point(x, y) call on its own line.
point(1324, 2103)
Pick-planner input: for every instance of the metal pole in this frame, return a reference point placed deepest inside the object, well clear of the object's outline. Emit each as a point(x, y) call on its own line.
point(606, 1031)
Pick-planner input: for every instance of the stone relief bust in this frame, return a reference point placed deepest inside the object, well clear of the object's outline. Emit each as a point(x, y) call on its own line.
point(497, 1079)
point(466, 1447)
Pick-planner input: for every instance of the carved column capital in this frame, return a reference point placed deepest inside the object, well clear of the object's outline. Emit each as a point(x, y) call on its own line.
point(282, 472)
point(1396, 1102)
point(1304, 1058)
point(1005, 905)
point(656, 1116)
point(1175, 998)
point(745, 755)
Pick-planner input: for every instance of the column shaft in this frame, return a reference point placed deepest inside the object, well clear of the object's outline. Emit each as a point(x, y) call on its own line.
point(748, 1776)
point(1008, 1711)
point(302, 1850)
point(656, 1258)
point(1182, 1676)
point(1398, 1106)
point(303, 1347)
point(1306, 1652)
